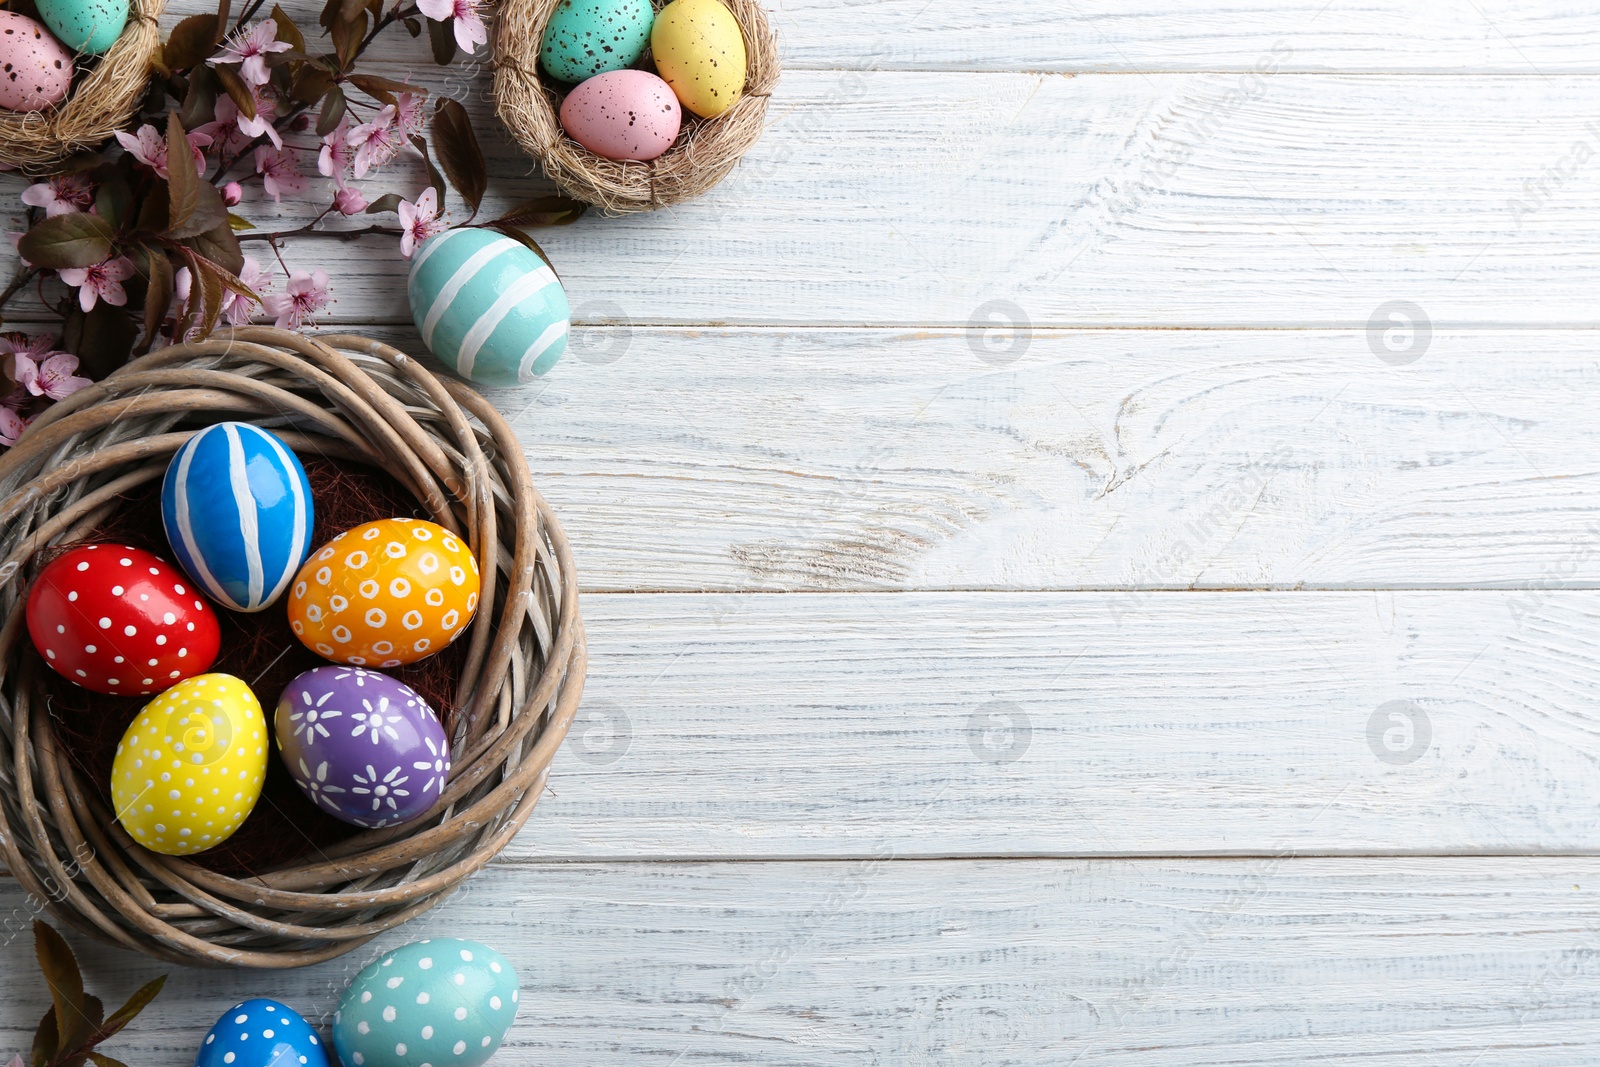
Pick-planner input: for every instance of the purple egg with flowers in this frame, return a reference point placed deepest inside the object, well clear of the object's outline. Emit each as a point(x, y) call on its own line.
point(362, 746)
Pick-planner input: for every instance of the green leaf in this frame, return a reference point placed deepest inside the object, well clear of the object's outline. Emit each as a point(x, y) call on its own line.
point(60, 967)
point(442, 36)
point(136, 1003)
point(239, 224)
point(288, 32)
point(157, 296)
point(46, 1040)
point(545, 211)
point(196, 204)
point(435, 179)
point(237, 90)
point(386, 202)
point(191, 42)
point(219, 246)
point(333, 109)
point(76, 239)
point(459, 152)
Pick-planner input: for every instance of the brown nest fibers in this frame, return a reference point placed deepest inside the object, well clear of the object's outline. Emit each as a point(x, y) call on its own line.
point(103, 99)
point(529, 103)
point(380, 436)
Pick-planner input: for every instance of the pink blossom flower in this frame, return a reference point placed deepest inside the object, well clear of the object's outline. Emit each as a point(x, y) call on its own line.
point(250, 48)
point(11, 427)
point(266, 110)
point(238, 309)
point(305, 295)
point(470, 31)
point(35, 346)
point(51, 377)
point(419, 221)
point(103, 281)
point(337, 159)
point(224, 130)
point(278, 175)
point(61, 194)
point(149, 147)
point(409, 113)
point(232, 193)
point(349, 201)
point(376, 142)
point(182, 282)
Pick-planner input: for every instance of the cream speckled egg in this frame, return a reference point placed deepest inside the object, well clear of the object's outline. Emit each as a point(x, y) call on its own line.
point(386, 593)
point(189, 770)
point(623, 114)
point(699, 50)
point(35, 69)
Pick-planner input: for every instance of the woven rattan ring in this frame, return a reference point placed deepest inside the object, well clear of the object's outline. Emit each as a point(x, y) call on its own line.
point(338, 396)
point(102, 101)
point(529, 104)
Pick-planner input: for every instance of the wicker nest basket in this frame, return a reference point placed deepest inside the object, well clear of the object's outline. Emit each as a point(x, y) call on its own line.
point(347, 398)
point(529, 104)
point(102, 101)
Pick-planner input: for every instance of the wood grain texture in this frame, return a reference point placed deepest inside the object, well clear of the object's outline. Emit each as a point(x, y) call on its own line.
point(1159, 724)
point(1207, 200)
point(1156, 964)
point(835, 459)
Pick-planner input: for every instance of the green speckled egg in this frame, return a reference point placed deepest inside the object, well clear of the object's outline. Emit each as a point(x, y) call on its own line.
point(440, 1003)
point(90, 26)
point(589, 37)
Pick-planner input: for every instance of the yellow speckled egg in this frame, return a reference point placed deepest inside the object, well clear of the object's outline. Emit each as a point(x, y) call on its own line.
point(699, 51)
point(189, 770)
point(390, 592)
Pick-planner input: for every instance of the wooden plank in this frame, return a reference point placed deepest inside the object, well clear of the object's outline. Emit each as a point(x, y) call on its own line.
point(836, 459)
point(936, 199)
point(1138, 964)
point(1079, 724)
point(1531, 37)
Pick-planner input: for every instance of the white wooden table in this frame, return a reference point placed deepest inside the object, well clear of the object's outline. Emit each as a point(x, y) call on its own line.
point(1202, 672)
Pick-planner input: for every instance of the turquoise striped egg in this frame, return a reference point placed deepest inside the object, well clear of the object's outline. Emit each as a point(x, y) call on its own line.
point(488, 306)
point(237, 509)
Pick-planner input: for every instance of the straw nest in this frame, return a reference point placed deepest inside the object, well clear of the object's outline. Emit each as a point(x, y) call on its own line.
point(102, 100)
point(529, 104)
point(338, 396)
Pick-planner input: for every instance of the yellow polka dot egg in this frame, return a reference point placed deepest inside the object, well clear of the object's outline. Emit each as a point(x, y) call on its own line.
point(189, 771)
point(389, 592)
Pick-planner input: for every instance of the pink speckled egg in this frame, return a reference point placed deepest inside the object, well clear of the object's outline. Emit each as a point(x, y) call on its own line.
point(35, 68)
point(623, 114)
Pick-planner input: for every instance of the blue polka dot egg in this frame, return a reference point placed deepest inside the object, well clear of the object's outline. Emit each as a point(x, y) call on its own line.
point(438, 1003)
point(261, 1033)
point(237, 510)
point(488, 306)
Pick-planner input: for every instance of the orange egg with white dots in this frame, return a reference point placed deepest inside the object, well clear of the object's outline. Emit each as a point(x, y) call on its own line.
point(386, 593)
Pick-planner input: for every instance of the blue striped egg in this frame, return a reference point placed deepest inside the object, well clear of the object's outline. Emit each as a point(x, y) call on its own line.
point(237, 508)
point(488, 306)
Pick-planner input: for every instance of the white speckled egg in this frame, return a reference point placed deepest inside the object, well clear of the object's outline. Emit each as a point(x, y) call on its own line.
point(89, 26)
point(35, 70)
point(439, 1002)
point(623, 114)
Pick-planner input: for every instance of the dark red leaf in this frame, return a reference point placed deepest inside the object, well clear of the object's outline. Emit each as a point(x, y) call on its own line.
point(136, 1003)
point(76, 239)
point(196, 205)
point(386, 202)
point(442, 36)
point(157, 295)
point(545, 211)
point(236, 89)
point(333, 109)
point(288, 32)
point(191, 42)
point(435, 179)
point(459, 152)
point(60, 967)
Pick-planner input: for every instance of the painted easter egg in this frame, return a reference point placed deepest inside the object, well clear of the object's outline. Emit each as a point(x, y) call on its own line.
point(35, 70)
point(439, 1002)
point(261, 1033)
point(588, 37)
point(237, 508)
point(699, 50)
point(488, 306)
point(90, 26)
point(624, 114)
point(386, 593)
point(189, 769)
point(362, 746)
point(119, 620)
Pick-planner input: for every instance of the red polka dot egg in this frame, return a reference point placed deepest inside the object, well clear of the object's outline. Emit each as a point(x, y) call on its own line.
point(119, 620)
point(389, 592)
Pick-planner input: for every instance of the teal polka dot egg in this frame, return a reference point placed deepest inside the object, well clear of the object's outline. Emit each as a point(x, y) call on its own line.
point(88, 26)
point(438, 1003)
point(488, 306)
point(589, 37)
